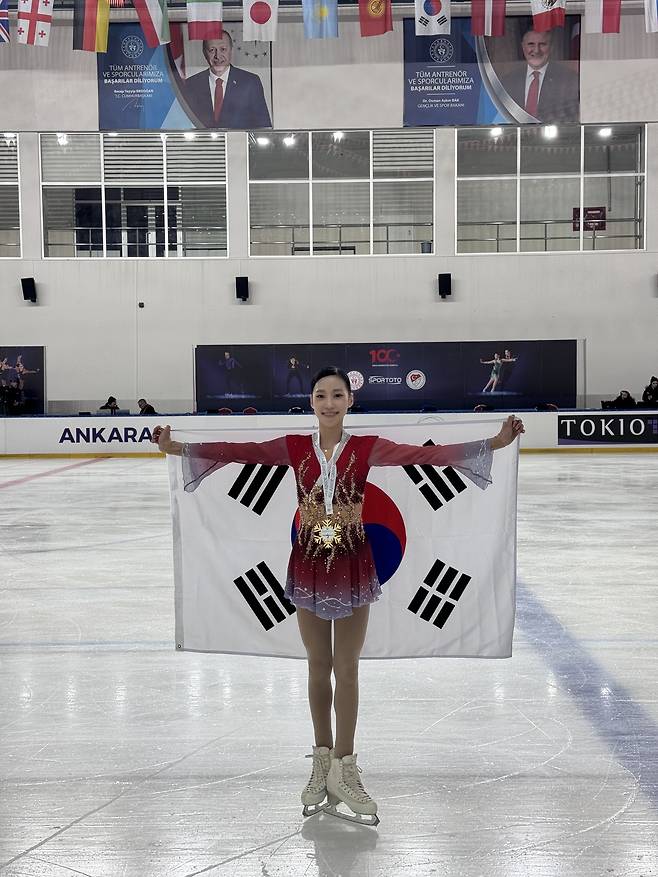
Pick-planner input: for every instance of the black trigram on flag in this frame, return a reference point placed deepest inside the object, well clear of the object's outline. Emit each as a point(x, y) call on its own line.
point(424, 21)
point(437, 486)
point(257, 484)
point(264, 595)
point(437, 597)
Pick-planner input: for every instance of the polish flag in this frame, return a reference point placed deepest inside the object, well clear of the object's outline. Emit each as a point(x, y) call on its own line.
point(204, 19)
point(259, 20)
point(547, 14)
point(602, 16)
point(33, 22)
point(488, 18)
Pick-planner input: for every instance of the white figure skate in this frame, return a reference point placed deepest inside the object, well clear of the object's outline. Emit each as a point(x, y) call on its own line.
point(344, 785)
point(313, 796)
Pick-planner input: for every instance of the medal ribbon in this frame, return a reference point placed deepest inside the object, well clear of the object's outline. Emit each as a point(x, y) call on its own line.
point(328, 469)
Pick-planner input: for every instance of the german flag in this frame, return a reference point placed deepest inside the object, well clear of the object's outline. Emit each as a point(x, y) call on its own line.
point(91, 19)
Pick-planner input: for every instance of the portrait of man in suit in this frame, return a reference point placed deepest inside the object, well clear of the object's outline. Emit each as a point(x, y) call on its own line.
point(547, 89)
point(225, 96)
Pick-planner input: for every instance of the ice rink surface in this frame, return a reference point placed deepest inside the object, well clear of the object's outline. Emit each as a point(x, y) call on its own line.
point(119, 756)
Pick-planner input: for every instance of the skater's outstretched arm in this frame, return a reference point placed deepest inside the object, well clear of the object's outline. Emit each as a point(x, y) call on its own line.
point(200, 459)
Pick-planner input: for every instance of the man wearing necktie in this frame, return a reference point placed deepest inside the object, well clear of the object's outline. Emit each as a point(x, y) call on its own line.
point(225, 96)
point(547, 90)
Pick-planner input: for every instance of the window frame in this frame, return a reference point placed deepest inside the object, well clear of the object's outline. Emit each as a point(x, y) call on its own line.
point(17, 185)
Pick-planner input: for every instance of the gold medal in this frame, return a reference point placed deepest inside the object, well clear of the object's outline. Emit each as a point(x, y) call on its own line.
point(327, 533)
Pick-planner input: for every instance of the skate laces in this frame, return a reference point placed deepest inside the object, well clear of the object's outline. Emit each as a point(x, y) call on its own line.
point(352, 779)
point(318, 774)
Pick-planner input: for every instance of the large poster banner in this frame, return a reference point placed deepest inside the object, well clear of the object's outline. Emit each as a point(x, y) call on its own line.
point(223, 83)
point(523, 77)
point(444, 551)
point(22, 381)
point(390, 377)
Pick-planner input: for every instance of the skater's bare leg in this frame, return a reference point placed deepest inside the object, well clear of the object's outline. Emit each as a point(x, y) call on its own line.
point(316, 636)
point(349, 637)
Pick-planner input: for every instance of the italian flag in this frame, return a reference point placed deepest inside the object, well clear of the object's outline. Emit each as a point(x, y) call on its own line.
point(154, 18)
point(547, 14)
point(204, 19)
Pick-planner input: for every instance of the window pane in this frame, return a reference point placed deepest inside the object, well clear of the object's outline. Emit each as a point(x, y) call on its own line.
point(278, 156)
point(72, 222)
point(279, 219)
point(341, 218)
point(486, 216)
point(623, 198)
point(402, 216)
point(346, 156)
point(400, 154)
point(133, 158)
point(481, 154)
point(199, 157)
point(199, 221)
point(547, 214)
point(135, 222)
point(10, 236)
point(9, 158)
point(614, 148)
point(74, 158)
point(544, 154)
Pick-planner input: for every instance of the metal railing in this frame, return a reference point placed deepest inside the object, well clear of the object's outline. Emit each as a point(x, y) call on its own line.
point(131, 241)
point(636, 236)
point(298, 239)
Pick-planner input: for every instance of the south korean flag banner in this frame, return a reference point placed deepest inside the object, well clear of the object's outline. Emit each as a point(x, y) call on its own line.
point(432, 17)
point(444, 550)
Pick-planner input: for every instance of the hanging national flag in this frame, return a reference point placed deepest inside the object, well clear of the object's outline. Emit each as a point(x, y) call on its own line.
point(259, 20)
point(547, 14)
point(91, 20)
point(320, 19)
point(177, 47)
point(432, 17)
point(33, 22)
point(651, 15)
point(4, 21)
point(375, 17)
point(602, 16)
point(204, 19)
point(488, 18)
point(154, 18)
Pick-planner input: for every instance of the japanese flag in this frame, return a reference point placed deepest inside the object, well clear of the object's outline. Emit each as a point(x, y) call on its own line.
point(444, 550)
point(259, 20)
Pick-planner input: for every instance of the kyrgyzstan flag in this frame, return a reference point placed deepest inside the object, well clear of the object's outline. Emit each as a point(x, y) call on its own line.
point(33, 22)
point(204, 19)
point(154, 18)
point(375, 17)
point(547, 14)
point(488, 18)
point(602, 16)
point(91, 20)
point(259, 20)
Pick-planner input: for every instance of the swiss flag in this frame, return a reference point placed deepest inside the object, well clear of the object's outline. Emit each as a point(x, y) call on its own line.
point(33, 22)
point(375, 17)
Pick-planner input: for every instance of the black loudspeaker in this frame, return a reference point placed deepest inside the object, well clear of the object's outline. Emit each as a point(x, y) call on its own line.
point(242, 288)
point(29, 289)
point(445, 285)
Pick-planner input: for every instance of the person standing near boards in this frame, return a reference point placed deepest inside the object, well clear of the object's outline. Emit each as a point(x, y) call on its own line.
point(331, 575)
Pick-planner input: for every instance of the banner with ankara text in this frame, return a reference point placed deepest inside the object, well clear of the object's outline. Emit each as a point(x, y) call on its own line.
point(444, 550)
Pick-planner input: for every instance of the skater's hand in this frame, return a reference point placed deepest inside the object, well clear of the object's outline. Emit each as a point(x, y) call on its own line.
point(162, 437)
point(512, 428)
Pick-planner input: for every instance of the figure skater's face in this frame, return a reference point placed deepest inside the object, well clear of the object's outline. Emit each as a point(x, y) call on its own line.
point(330, 401)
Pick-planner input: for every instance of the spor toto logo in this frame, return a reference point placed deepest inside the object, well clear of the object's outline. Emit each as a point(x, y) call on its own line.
point(132, 47)
point(442, 51)
point(416, 379)
point(356, 380)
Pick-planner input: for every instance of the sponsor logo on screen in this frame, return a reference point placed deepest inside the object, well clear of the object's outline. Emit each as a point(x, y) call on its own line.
point(356, 380)
point(380, 379)
point(603, 429)
point(384, 356)
point(416, 379)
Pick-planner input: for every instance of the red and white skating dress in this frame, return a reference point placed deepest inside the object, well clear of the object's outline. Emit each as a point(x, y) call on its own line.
point(331, 569)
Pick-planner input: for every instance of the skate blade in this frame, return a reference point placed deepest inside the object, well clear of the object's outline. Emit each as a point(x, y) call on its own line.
point(357, 818)
point(312, 809)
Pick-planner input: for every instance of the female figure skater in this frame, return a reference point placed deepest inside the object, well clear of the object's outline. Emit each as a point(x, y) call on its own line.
point(331, 574)
point(497, 364)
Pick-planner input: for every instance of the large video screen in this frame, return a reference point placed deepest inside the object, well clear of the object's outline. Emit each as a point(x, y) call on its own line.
point(408, 376)
point(22, 381)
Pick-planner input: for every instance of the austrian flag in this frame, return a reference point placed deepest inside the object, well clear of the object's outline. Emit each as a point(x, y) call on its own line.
point(547, 14)
point(204, 19)
point(488, 18)
point(33, 22)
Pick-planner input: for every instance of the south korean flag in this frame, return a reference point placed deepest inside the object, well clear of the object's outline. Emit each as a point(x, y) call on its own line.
point(432, 17)
point(444, 549)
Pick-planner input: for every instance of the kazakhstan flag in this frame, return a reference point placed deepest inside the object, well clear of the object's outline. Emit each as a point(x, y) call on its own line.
point(320, 19)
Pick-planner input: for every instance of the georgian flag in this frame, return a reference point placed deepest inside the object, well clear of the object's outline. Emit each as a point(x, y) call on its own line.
point(33, 22)
point(432, 17)
point(602, 16)
point(488, 18)
point(547, 14)
point(651, 15)
point(259, 20)
point(444, 551)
